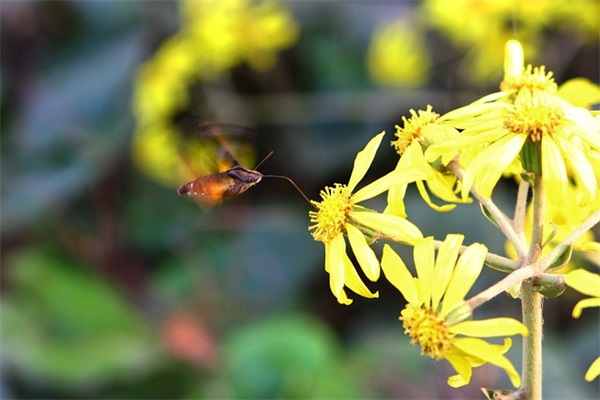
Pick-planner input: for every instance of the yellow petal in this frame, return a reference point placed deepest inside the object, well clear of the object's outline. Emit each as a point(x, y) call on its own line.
point(485, 351)
point(398, 275)
point(490, 328)
point(444, 266)
point(584, 282)
point(465, 273)
point(334, 264)
point(475, 109)
point(585, 303)
point(427, 199)
point(593, 371)
point(392, 226)
point(382, 184)
point(580, 92)
point(491, 163)
point(363, 161)
point(364, 254)
point(581, 168)
point(424, 255)
point(442, 186)
point(461, 365)
point(448, 149)
point(353, 281)
point(395, 199)
point(554, 172)
point(587, 126)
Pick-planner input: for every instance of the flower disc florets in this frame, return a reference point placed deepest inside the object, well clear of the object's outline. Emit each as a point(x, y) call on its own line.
point(428, 329)
point(531, 78)
point(331, 214)
point(412, 128)
point(534, 116)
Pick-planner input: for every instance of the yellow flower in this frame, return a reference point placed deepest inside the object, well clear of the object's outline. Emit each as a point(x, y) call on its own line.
point(419, 131)
point(499, 129)
point(230, 32)
point(587, 283)
point(480, 27)
point(397, 56)
point(339, 214)
point(436, 315)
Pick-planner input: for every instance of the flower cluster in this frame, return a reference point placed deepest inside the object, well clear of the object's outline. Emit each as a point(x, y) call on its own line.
point(529, 131)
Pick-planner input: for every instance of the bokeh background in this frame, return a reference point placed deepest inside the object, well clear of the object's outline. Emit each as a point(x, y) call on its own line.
point(115, 287)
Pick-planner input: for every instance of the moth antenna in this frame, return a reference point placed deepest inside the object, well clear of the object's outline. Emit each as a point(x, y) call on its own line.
point(287, 178)
point(264, 159)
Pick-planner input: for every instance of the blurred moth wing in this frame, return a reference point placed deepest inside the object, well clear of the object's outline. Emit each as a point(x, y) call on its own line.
point(228, 177)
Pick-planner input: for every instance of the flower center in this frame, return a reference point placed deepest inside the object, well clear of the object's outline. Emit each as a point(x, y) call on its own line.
point(412, 128)
point(331, 214)
point(428, 329)
point(534, 116)
point(531, 78)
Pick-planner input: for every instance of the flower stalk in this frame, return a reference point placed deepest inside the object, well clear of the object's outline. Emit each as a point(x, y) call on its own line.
point(512, 279)
point(531, 301)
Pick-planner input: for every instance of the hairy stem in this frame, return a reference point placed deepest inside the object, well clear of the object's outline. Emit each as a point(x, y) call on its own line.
point(532, 344)
point(509, 281)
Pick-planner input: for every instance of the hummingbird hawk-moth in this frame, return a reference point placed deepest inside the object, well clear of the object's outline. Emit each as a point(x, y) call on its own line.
point(232, 180)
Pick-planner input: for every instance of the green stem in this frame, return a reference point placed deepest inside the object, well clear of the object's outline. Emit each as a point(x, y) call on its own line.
point(532, 301)
point(537, 228)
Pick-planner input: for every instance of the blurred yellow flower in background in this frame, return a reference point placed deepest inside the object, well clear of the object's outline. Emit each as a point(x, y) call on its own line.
point(397, 55)
point(436, 317)
point(483, 26)
point(215, 36)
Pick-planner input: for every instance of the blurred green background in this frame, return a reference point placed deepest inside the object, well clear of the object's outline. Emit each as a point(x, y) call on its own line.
point(115, 287)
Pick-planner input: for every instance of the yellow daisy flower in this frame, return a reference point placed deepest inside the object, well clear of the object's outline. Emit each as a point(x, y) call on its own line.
point(338, 214)
point(436, 315)
point(587, 283)
point(419, 131)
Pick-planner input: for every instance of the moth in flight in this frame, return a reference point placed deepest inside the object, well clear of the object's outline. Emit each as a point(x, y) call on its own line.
point(232, 179)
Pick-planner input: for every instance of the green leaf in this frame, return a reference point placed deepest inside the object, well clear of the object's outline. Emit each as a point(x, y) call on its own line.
point(562, 259)
point(488, 215)
point(287, 357)
point(65, 325)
